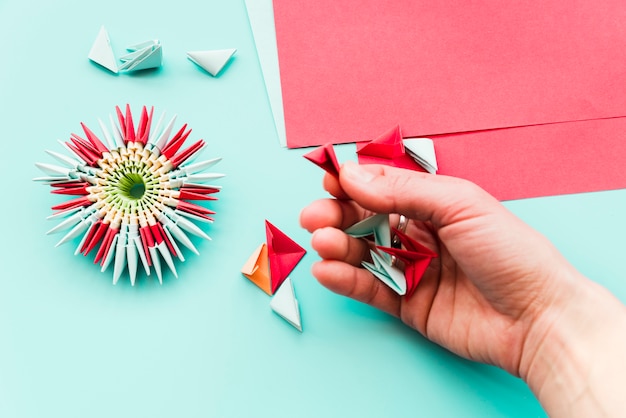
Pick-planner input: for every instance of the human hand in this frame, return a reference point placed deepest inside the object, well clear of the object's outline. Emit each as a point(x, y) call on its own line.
point(496, 293)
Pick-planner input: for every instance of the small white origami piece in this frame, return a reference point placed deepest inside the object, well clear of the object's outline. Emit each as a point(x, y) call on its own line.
point(382, 266)
point(376, 225)
point(385, 272)
point(422, 150)
point(143, 56)
point(101, 52)
point(212, 61)
point(285, 304)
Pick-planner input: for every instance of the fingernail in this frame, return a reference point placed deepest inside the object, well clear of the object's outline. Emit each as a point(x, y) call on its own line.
point(355, 172)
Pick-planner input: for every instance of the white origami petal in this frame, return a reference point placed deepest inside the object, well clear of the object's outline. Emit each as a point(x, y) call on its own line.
point(156, 263)
point(120, 255)
point(69, 222)
point(69, 161)
point(167, 256)
point(110, 255)
point(179, 253)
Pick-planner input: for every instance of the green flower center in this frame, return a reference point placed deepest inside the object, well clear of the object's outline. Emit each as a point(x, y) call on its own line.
point(132, 186)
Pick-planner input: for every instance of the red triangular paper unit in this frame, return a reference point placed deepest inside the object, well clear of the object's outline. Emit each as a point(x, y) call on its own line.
point(284, 254)
point(387, 149)
point(325, 157)
point(416, 258)
point(387, 145)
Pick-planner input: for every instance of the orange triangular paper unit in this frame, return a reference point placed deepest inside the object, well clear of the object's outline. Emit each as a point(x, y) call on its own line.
point(416, 258)
point(284, 253)
point(257, 269)
point(325, 157)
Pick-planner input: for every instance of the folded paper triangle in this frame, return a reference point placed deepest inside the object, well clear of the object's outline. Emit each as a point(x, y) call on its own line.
point(142, 56)
point(213, 61)
point(385, 272)
point(101, 52)
point(387, 149)
point(257, 269)
point(387, 145)
point(377, 226)
point(422, 150)
point(285, 304)
point(284, 254)
point(325, 157)
point(415, 256)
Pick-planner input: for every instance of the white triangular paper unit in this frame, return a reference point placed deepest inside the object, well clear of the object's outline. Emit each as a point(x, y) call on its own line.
point(284, 303)
point(386, 273)
point(422, 150)
point(101, 52)
point(150, 56)
point(377, 225)
point(212, 61)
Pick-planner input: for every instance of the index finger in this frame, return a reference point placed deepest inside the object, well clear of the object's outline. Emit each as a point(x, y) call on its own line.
point(335, 213)
point(331, 185)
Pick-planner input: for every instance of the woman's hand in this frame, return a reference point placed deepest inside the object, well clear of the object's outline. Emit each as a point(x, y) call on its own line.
point(498, 293)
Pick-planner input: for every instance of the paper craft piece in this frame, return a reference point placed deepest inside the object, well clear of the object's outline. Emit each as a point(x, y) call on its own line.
point(497, 160)
point(514, 163)
point(387, 149)
point(284, 254)
point(261, 15)
point(257, 269)
point(212, 61)
point(324, 157)
point(143, 56)
point(385, 272)
point(269, 268)
point(381, 266)
point(101, 52)
point(376, 226)
point(422, 150)
point(541, 160)
point(130, 193)
point(477, 66)
point(415, 257)
point(285, 304)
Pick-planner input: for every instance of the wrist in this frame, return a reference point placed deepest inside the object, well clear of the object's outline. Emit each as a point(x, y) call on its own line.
point(574, 358)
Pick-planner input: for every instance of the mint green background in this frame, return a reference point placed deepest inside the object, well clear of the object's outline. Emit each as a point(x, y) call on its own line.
point(207, 344)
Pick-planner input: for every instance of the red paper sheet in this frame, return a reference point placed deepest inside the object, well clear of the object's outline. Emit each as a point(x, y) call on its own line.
point(541, 160)
point(352, 68)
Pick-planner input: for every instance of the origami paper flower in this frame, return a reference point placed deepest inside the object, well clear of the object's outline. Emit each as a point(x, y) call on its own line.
point(131, 198)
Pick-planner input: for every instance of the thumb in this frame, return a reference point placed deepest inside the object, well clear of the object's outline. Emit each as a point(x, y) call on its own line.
point(421, 196)
point(498, 252)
